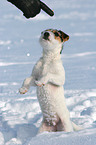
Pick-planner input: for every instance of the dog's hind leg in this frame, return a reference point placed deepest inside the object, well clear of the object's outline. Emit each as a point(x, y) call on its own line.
point(65, 121)
point(65, 125)
point(46, 127)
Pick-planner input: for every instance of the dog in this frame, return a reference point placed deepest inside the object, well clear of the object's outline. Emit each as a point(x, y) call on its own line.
point(48, 76)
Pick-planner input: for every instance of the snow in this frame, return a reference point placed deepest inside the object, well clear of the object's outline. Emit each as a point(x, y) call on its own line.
point(20, 115)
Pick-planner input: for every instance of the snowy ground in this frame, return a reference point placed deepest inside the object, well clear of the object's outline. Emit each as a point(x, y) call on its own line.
point(20, 115)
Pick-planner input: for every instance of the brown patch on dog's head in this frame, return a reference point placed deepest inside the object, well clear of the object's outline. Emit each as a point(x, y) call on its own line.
point(59, 35)
point(64, 36)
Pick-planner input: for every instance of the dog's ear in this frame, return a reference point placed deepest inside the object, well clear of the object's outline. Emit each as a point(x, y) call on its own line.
point(64, 36)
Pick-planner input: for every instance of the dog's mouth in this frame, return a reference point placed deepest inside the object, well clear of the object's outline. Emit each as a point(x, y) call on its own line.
point(46, 36)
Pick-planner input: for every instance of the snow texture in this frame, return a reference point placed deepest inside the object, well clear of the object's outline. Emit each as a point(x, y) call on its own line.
point(20, 115)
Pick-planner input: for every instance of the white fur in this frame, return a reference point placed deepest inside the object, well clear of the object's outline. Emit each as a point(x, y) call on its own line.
point(48, 76)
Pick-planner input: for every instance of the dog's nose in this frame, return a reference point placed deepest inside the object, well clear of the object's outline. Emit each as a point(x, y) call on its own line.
point(46, 35)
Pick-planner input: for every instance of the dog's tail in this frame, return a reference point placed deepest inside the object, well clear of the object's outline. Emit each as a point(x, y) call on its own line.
point(76, 127)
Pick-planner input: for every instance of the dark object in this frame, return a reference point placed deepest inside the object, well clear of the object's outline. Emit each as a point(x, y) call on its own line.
point(31, 8)
point(46, 35)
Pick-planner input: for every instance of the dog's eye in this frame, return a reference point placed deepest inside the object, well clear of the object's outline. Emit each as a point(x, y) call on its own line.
point(56, 34)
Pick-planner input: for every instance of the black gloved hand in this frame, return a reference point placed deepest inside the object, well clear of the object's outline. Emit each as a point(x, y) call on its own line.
point(31, 8)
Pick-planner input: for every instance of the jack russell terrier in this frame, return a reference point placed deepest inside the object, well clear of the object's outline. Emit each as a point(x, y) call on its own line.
point(48, 76)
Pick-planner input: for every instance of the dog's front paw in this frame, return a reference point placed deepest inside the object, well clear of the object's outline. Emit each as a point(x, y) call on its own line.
point(42, 81)
point(38, 83)
point(23, 90)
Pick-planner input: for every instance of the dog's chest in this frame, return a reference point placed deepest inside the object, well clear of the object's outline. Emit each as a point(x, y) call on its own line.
point(47, 68)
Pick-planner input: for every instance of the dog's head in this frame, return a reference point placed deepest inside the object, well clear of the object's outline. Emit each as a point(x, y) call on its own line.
point(53, 39)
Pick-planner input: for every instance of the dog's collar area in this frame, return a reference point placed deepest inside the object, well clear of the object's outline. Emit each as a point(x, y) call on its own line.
point(62, 49)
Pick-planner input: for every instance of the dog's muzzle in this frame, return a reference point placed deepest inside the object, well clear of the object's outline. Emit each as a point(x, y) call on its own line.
point(46, 36)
